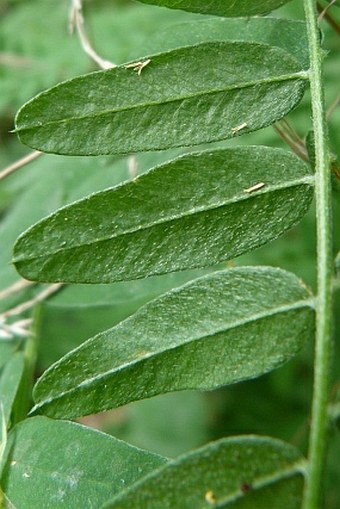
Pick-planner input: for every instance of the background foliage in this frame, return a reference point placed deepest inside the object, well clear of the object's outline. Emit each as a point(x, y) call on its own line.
point(36, 52)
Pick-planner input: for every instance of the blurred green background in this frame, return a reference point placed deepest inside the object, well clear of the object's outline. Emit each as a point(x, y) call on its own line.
point(37, 51)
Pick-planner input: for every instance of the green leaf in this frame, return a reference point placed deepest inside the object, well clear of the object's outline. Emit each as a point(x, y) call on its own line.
point(64, 465)
point(221, 7)
point(245, 472)
point(222, 328)
point(195, 211)
point(9, 383)
point(186, 96)
point(290, 35)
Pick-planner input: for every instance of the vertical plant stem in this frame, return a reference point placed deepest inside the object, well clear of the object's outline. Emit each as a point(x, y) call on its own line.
point(323, 342)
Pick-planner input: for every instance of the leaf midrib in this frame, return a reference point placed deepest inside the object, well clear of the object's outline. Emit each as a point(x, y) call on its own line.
point(262, 481)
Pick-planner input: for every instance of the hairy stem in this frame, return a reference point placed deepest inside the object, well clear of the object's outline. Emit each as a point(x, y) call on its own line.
point(323, 342)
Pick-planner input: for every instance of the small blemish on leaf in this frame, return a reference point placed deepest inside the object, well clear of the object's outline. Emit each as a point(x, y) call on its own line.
point(141, 354)
point(210, 497)
point(138, 66)
point(246, 487)
point(256, 187)
point(238, 128)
